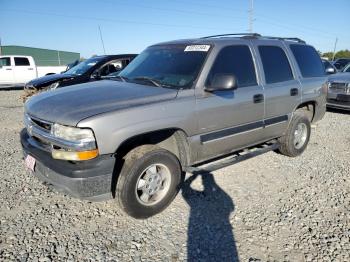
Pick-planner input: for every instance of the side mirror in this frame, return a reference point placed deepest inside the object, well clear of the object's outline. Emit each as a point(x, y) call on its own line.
point(330, 70)
point(222, 82)
point(95, 75)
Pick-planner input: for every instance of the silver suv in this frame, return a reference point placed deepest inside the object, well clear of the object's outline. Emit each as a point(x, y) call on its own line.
point(189, 105)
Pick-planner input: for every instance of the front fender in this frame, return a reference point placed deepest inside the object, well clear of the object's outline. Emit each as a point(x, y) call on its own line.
point(112, 129)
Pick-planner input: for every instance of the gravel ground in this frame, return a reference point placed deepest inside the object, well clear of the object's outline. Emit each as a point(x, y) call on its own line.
point(269, 208)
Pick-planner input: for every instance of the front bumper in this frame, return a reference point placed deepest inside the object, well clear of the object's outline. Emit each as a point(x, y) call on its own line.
point(340, 101)
point(91, 179)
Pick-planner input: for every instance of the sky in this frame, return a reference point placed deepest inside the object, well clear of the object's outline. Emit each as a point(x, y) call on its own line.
point(130, 26)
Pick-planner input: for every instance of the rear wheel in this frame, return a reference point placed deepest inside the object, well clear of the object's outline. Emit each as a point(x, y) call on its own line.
point(148, 181)
point(297, 136)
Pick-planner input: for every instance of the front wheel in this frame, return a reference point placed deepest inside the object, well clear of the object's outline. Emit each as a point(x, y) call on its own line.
point(148, 181)
point(297, 135)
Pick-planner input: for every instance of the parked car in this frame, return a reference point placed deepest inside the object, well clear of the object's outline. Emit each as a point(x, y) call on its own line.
point(329, 68)
point(189, 105)
point(346, 69)
point(339, 90)
point(89, 70)
point(18, 70)
point(69, 66)
point(341, 63)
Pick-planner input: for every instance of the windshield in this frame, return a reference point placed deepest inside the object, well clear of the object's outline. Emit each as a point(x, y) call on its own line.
point(347, 68)
point(84, 66)
point(175, 66)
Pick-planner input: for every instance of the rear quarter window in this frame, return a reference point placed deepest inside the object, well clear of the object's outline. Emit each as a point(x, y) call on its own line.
point(308, 60)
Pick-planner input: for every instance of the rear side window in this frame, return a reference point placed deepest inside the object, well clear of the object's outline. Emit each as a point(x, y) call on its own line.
point(236, 60)
point(5, 61)
point(21, 61)
point(308, 60)
point(276, 64)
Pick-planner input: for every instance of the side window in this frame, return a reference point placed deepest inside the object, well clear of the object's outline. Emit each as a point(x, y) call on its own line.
point(236, 60)
point(308, 60)
point(276, 64)
point(5, 61)
point(110, 68)
point(21, 61)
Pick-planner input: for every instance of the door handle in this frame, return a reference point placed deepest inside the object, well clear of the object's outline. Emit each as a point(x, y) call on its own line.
point(294, 91)
point(8, 69)
point(30, 68)
point(258, 98)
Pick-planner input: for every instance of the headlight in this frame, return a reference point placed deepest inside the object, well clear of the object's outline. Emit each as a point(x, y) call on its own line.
point(73, 133)
point(54, 85)
point(82, 140)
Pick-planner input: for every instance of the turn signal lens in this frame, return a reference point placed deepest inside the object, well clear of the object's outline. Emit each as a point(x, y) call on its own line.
point(74, 156)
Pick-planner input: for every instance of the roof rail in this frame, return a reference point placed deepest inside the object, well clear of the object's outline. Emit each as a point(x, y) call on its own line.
point(286, 38)
point(236, 34)
point(256, 35)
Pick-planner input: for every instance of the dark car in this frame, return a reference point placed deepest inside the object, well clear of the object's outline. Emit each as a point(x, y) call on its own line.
point(341, 63)
point(92, 69)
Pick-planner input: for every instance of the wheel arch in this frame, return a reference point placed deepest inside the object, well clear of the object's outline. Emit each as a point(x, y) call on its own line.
point(171, 139)
point(309, 107)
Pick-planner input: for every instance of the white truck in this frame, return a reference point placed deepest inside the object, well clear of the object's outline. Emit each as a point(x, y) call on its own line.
point(16, 70)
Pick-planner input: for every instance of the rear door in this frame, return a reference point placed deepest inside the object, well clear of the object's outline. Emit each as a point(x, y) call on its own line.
point(6, 71)
point(230, 119)
point(282, 88)
point(24, 71)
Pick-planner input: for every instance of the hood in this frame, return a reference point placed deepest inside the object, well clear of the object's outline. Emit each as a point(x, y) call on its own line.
point(68, 106)
point(49, 79)
point(340, 78)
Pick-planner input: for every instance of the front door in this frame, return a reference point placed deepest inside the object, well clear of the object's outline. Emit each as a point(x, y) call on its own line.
point(231, 119)
point(6, 71)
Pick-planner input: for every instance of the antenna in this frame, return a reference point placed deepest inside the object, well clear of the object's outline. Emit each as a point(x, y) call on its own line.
point(335, 47)
point(103, 45)
point(251, 16)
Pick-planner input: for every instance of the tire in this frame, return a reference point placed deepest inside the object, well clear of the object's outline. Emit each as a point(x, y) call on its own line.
point(160, 164)
point(288, 145)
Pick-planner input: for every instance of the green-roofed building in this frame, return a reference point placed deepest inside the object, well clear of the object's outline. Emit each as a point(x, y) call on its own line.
point(42, 57)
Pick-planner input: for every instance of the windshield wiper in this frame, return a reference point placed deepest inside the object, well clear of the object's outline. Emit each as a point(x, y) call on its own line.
point(123, 78)
point(151, 80)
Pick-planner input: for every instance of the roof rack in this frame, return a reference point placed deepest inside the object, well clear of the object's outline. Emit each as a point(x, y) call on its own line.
point(286, 38)
point(236, 34)
point(256, 35)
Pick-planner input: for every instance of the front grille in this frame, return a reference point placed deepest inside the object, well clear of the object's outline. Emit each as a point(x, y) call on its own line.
point(44, 125)
point(338, 87)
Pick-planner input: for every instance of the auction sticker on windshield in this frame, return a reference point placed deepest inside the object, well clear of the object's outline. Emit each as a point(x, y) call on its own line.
point(201, 48)
point(30, 162)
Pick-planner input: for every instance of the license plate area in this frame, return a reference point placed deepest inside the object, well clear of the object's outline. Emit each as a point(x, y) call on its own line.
point(344, 98)
point(30, 163)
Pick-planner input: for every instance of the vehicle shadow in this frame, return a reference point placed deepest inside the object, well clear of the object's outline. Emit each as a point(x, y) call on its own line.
point(15, 88)
point(210, 236)
point(338, 111)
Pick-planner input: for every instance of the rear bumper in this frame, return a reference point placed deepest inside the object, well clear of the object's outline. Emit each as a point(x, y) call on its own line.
point(91, 180)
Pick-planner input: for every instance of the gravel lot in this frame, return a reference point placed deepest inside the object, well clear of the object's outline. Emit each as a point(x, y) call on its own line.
point(270, 208)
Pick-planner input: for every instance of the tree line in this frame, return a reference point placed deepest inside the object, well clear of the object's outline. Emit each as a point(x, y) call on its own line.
point(340, 54)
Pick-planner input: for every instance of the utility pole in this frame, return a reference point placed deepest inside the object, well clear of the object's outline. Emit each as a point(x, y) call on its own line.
point(59, 57)
point(251, 16)
point(335, 47)
point(103, 45)
point(0, 47)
